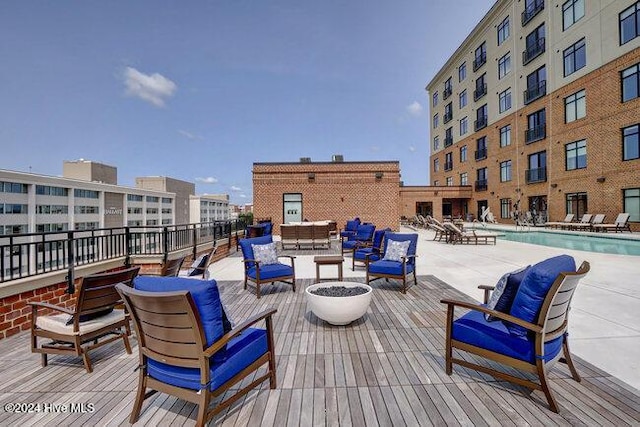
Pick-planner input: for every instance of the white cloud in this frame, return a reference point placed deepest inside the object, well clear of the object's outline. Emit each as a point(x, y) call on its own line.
point(207, 180)
point(154, 88)
point(243, 196)
point(189, 135)
point(235, 188)
point(374, 148)
point(412, 148)
point(415, 109)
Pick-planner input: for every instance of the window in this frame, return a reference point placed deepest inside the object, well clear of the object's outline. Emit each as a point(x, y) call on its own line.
point(463, 126)
point(537, 126)
point(136, 211)
point(463, 153)
point(462, 72)
point(134, 198)
point(575, 57)
point(576, 204)
point(630, 83)
point(576, 155)
point(631, 142)
point(48, 228)
point(13, 187)
point(505, 100)
point(503, 30)
point(152, 222)
point(435, 120)
point(464, 180)
point(481, 148)
point(448, 137)
point(152, 211)
point(481, 179)
point(504, 65)
point(575, 107)
point(436, 165)
point(534, 45)
point(531, 9)
point(10, 208)
point(449, 181)
point(481, 117)
point(630, 23)
point(86, 210)
point(463, 99)
point(505, 208)
point(436, 143)
point(167, 200)
point(572, 11)
point(86, 225)
point(85, 194)
point(481, 87)
point(448, 161)
point(448, 113)
point(505, 136)
point(152, 199)
point(480, 56)
point(536, 85)
point(436, 183)
point(435, 98)
point(448, 89)
point(45, 190)
point(52, 209)
point(166, 210)
point(505, 171)
point(14, 229)
point(537, 171)
point(631, 203)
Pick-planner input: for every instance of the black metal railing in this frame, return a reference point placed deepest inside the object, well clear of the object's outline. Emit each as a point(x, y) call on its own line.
point(447, 117)
point(448, 141)
point(534, 92)
point(31, 254)
point(480, 123)
point(533, 51)
point(481, 154)
point(447, 92)
point(480, 92)
point(481, 185)
point(448, 166)
point(536, 175)
point(530, 12)
point(535, 134)
point(479, 61)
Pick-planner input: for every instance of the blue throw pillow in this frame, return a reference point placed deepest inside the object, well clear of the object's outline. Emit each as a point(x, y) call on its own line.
point(534, 288)
point(505, 292)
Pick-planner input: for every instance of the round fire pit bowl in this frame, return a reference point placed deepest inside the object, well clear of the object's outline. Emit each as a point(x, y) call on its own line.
point(339, 310)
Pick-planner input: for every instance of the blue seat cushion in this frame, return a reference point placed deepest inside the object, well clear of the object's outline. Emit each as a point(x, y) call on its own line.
point(271, 271)
point(349, 244)
point(241, 351)
point(362, 253)
point(534, 288)
point(247, 250)
point(389, 267)
point(474, 329)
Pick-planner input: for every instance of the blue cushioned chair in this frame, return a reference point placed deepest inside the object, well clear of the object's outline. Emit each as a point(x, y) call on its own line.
point(374, 249)
point(394, 269)
point(531, 336)
point(363, 237)
point(260, 274)
point(350, 228)
point(184, 350)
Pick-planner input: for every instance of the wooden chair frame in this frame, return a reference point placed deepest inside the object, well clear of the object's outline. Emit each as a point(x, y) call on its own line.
point(171, 267)
point(202, 271)
point(259, 281)
point(97, 293)
point(169, 330)
point(551, 323)
point(370, 277)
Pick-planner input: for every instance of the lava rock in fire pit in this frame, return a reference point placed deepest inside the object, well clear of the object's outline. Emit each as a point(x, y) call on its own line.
point(340, 291)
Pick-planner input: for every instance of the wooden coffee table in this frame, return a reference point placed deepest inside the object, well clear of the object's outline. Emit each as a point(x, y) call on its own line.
point(328, 260)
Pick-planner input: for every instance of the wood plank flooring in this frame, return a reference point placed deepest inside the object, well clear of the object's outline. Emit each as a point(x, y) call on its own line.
point(386, 369)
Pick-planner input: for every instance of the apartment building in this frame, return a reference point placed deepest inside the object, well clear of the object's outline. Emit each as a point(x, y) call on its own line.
point(539, 110)
point(209, 208)
point(182, 190)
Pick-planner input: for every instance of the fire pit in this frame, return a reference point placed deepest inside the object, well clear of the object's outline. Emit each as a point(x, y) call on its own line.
point(339, 303)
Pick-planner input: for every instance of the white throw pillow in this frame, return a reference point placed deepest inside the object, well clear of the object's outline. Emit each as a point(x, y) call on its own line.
point(396, 250)
point(265, 254)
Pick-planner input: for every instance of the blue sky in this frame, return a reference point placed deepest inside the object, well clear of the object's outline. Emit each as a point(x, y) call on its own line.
point(200, 90)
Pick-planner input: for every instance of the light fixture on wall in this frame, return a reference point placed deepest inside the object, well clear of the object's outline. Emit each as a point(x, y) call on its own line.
point(554, 185)
point(379, 175)
point(600, 179)
point(311, 176)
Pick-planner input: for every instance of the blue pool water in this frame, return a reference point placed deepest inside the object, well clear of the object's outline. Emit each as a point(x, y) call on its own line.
point(607, 245)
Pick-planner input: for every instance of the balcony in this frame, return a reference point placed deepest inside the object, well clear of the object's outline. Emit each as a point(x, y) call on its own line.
point(535, 92)
point(481, 154)
point(447, 117)
point(447, 92)
point(481, 185)
point(536, 175)
point(448, 166)
point(529, 13)
point(448, 141)
point(480, 92)
point(479, 61)
point(533, 51)
point(535, 134)
point(480, 123)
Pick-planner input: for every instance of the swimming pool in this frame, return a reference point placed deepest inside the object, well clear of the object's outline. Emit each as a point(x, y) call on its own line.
point(607, 245)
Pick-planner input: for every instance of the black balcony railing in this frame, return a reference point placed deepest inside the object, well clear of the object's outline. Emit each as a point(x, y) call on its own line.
point(535, 134)
point(447, 117)
point(448, 166)
point(535, 92)
point(533, 51)
point(479, 61)
point(448, 141)
point(447, 92)
point(26, 255)
point(530, 12)
point(480, 92)
point(480, 123)
point(481, 185)
point(481, 154)
point(536, 175)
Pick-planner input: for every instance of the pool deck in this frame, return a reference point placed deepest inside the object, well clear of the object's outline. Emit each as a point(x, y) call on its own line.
point(605, 315)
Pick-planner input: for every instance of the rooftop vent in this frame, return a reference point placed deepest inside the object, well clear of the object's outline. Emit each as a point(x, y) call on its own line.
point(305, 159)
point(337, 158)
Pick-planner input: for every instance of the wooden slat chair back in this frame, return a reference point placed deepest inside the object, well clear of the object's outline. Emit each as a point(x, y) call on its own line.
point(321, 235)
point(305, 235)
point(169, 330)
point(171, 267)
point(203, 271)
point(97, 298)
point(289, 235)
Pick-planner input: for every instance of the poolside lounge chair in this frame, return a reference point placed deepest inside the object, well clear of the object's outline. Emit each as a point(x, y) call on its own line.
point(621, 224)
point(597, 219)
point(471, 236)
point(439, 228)
point(530, 337)
point(584, 223)
point(562, 224)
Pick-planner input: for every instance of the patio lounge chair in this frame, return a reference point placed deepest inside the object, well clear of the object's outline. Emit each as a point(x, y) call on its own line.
point(471, 236)
point(171, 267)
point(438, 227)
point(266, 268)
point(186, 350)
point(583, 224)
point(562, 224)
point(621, 224)
point(394, 264)
point(350, 228)
point(531, 337)
point(362, 250)
point(93, 322)
point(363, 237)
point(597, 219)
point(200, 266)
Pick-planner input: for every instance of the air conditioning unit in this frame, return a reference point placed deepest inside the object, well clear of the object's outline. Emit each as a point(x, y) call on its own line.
point(305, 159)
point(337, 158)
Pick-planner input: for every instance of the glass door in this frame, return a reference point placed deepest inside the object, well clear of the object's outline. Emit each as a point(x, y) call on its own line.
point(292, 207)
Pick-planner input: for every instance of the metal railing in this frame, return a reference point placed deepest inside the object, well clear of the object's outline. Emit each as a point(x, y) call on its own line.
point(448, 166)
point(535, 134)
point(481, 185)
point(31, 254)
point(479, 61)
point(447, 92)
point(535, 92)
point(480, 123)
point(448, 141)
point(447, 117)
point(533, 51)
point(536, 175)
point(480, 91)
point(531, 11)
point(481, 154)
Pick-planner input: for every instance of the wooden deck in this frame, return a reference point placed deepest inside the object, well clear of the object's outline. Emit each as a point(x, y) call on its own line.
point(385, 369)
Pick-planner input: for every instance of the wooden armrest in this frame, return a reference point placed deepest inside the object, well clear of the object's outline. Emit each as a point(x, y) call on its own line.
point(35, 305)
point(218, 345)
point(246, 261)
point(486, 287)
point(292, 257)
point(500, 315)
point(408, 257)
